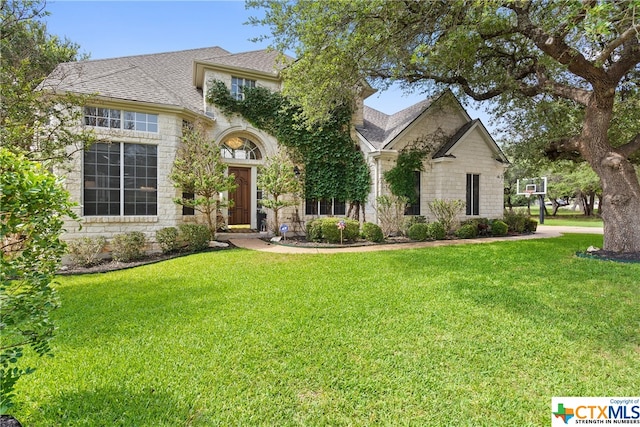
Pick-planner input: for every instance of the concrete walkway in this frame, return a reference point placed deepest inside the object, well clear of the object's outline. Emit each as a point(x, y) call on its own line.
point(544, 231)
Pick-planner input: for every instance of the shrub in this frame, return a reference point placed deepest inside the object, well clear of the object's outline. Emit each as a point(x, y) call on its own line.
point(481, 224)
point(530, 226)
point(516, 220)
point(167, 238)
point(468, 231)
point(410, 220)
point(33, 206)
point(390, 210)
point(372, 232)
point(437, 231)
point(446, 212)
point(314, 230)
point(419, 231)
point(331, 232)
point(499, 228)
point(128, 247)
point(86, 251)
point(195, 236)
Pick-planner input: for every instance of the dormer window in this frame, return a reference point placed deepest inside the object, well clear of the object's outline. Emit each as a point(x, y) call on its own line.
point(237, 87)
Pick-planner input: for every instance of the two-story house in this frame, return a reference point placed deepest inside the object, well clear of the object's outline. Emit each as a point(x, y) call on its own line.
point(140, 105)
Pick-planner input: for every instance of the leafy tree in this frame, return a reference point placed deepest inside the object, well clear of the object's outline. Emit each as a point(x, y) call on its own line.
point(32, 206)
point(567, 179)
point(578, 59)
point(199, 170)
point(35, 118)
point(277, 178)
point(36, 122)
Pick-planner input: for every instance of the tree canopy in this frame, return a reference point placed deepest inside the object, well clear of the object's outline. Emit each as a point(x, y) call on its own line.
point(35, 120)
point(575, 60)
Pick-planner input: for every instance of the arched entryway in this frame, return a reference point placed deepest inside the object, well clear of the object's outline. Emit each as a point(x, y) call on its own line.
point(242, 155)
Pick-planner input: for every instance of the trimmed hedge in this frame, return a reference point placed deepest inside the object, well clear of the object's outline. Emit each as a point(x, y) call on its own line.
point(326, 230)
point(372, 232)
point(331, 232)
point(167, 238)
point(411, 220)
point(419, 231)
point(437, 231)
point(499, 228)
point(468, 231)
point(128, 247)
point(195, 236)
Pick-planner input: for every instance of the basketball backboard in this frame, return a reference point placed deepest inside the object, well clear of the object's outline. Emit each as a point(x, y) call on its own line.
point(530, 186)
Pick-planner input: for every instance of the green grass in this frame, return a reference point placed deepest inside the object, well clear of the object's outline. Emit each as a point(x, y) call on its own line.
point(565, 217)
point(462, 335)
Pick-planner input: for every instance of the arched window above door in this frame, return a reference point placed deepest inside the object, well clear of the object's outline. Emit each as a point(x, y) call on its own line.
point(236, 147)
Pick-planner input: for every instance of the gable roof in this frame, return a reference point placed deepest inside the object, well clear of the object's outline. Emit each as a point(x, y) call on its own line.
point(160, 78)
point(444, 150)
point(380, 129)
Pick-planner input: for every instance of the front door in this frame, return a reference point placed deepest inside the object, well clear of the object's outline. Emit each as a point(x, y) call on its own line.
point(240, 211)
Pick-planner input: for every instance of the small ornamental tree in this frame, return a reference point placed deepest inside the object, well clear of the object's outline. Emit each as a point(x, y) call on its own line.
point(278, 182)
point(32, 206)
point(198, 169)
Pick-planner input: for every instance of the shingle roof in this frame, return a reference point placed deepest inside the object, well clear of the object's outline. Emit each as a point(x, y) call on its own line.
point(442, 151)
point(161, 78)
point(380, 129)
point(265, 61)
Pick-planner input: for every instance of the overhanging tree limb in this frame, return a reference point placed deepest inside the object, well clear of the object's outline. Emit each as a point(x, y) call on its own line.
point(630, 147)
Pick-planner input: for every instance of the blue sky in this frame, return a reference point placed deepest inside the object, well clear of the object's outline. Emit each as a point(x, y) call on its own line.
point(107, 29)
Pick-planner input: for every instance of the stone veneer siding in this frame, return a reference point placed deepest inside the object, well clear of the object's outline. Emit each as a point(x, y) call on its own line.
point(169, 214)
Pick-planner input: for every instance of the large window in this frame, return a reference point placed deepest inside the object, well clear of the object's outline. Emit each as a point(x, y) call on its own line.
point(237, 86)
point(120, 179)
point(118, 119)
point(473, 194)
point(325, 207)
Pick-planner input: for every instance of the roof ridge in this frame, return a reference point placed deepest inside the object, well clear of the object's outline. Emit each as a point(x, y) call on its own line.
point(125, 67)
point(141, 55)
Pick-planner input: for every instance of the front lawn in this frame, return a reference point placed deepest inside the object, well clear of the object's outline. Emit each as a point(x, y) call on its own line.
point(462, 335)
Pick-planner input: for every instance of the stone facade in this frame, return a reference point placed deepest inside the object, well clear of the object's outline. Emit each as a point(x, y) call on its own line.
point(173, 86)
point(443, 177)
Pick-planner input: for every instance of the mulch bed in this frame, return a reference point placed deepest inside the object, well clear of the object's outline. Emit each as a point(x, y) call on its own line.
point(111, 265)
point(602, 255)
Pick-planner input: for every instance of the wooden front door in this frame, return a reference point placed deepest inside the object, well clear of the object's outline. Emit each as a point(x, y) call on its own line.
point(240, 211)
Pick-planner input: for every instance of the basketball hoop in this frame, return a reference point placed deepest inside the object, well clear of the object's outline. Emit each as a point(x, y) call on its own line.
point(528, 193)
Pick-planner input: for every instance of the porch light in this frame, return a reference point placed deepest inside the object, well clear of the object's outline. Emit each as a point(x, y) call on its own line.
point(234, 143)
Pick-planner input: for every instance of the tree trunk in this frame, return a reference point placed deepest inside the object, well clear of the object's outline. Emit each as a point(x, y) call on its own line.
point(554, 205)
point(620, 185)
point(600, 204)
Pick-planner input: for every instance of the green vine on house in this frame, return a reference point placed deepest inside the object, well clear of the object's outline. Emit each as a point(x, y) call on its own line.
point(401, 177)
point(333, 166)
